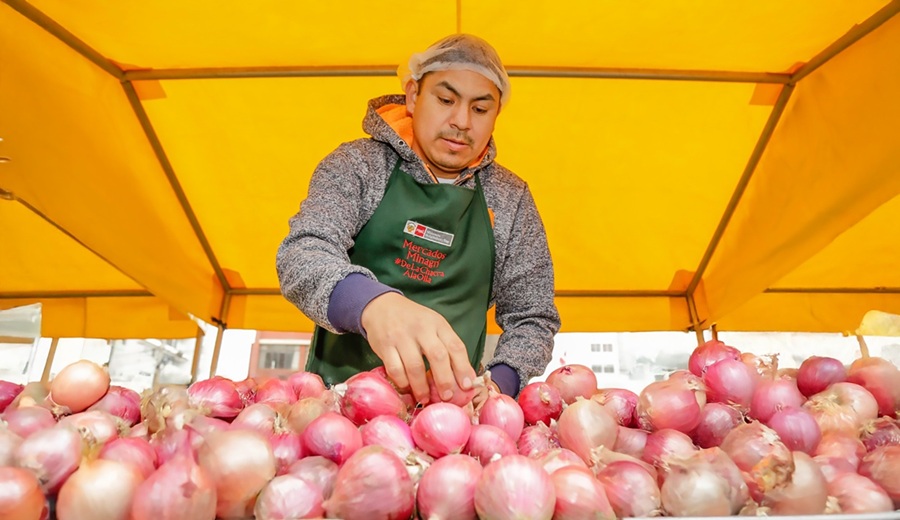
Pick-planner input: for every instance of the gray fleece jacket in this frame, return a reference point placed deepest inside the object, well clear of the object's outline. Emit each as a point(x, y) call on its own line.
point(344, 191)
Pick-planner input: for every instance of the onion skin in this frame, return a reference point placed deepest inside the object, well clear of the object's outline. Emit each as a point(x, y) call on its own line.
point(631, 441)
point(216, 397)
point(447, 488)
point(621, 402)
point(573, 381)
point(857, 494)
point(806, 493)
point(388, 432)
point(585, 425)
point(304, 411)
point(135, 451)
point(881, 466)
point(441, 429)
point(537, 439)
point(515, 487)
point(179, 489)
point(52, 455)
point(709, 353)
point(306, 384)
point(487, 442)
point(367, 396)
point(79, 385)
point(317, 470)
point(695, 490)
point(289, 496)
point(631, 489)
point(503, 412)
point(9, 442)
point(372, 484)
point(540, 403)
point(730, 381)
point(818, 373)
point(20, 496)
point(26, 421)
point(120, 402)
point(8, 393)
point(241, 463)
point(797, 429)
point(716, 420)
point(579, 495)
point(332, 436)
point(560, 458)
point(99, 489)
point(760, 454)
point(673, 403)
point(772, 395)
point(880, 377)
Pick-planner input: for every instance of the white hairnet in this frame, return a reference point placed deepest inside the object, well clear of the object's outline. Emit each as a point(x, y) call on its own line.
point(460, 52)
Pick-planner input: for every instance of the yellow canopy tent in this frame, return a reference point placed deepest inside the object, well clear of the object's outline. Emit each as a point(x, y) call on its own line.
point(695, 163)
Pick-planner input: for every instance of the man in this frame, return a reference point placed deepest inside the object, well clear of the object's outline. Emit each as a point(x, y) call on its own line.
point(406, 238)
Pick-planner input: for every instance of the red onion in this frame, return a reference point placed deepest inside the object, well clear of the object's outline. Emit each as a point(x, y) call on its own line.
point(306, 384)
point(716, 420)
point(666, 444)
point(120, 402)
point(880, 377)
point(709, 353)
point(20, 495)
point(620, 402)
point(579, 495)
point(9, 442)
point(515, 487)
point(172, 442)
point(805, 493)
point(573, 381)
point(26, 421)
point(460, 397)
point(672, 403)
point(441, 429)
point(631, 441)
point(52, 455)
point(487, 443)
point(99, 489)
point(373, 483)
point(258, 417)
point(503, 412)
point(731, 382)
point(831, 467)
point(881, 466)
point(137, 452)
point(367, 396)
point(766, 367)
point(275, 390)
point(8, 393)
point(883, 431)
point(287, 448)
point(585, 425)
point(818, 373)
point(139, 430)
point(540, 402)
point(216, 397)
point(447, 488)
point(241, 463)
point(537, 439)
point(842, 407)
point(695, 489)
point(179, 489)
point(332, 436)
point(719, 462)
point(857, 494)
point(797, 429)
point(163, 403)
point(204, 425)
point(316, 470)
point(772, 395)
point(388, 432)
point(96, 427)
point(631, 489)
point(560, 458)
point(79, 385)
point(603, 456)
point(842, 446)
point(289, 496)
point(760, 454)
point(304, 411)
point(247, 390)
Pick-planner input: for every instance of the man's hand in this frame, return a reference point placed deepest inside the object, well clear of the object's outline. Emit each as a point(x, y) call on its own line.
point(403, 334)
point(482, 392)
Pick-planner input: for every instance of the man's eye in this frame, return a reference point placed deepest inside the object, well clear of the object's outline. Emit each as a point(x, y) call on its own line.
point(480, 110)
point(445, 101)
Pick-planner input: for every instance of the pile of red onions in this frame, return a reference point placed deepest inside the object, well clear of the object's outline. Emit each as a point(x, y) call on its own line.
point(727, 437)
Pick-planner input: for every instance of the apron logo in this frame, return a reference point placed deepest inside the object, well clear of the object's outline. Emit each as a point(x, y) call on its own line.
point(428, 233)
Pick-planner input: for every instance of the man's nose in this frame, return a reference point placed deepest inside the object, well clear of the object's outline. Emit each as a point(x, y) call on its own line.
point(461, 117)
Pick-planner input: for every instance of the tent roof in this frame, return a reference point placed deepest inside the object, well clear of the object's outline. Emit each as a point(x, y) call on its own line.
point(728, 164)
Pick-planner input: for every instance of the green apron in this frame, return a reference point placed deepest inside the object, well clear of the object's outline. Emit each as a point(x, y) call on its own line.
point(433, 242)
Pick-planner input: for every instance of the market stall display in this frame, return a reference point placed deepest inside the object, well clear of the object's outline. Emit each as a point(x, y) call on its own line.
point(270, 449)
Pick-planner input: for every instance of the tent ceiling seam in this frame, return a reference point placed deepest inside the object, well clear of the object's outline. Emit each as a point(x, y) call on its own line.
point(833, 290)
point(62, 34)
point(156, 145)
point(53, 295)
point(722, 76)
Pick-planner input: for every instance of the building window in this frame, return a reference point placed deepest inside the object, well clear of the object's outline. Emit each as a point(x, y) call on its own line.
point(279, 356)
point(601, 347)
point(609, 369)
point(597, 368)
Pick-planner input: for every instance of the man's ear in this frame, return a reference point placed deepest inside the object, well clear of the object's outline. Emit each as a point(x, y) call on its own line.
point(412, 93)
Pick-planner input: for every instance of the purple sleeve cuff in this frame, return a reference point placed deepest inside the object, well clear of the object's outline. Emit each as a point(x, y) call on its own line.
point(506, 378)
point(348, 299)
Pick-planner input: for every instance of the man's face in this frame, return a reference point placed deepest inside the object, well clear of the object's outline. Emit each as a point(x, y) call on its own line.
point(453, 115)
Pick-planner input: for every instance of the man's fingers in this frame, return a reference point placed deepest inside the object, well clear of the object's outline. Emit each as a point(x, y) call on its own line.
point(459, 359)
point(414, 366)
point(441, 369)
point(393, 365)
